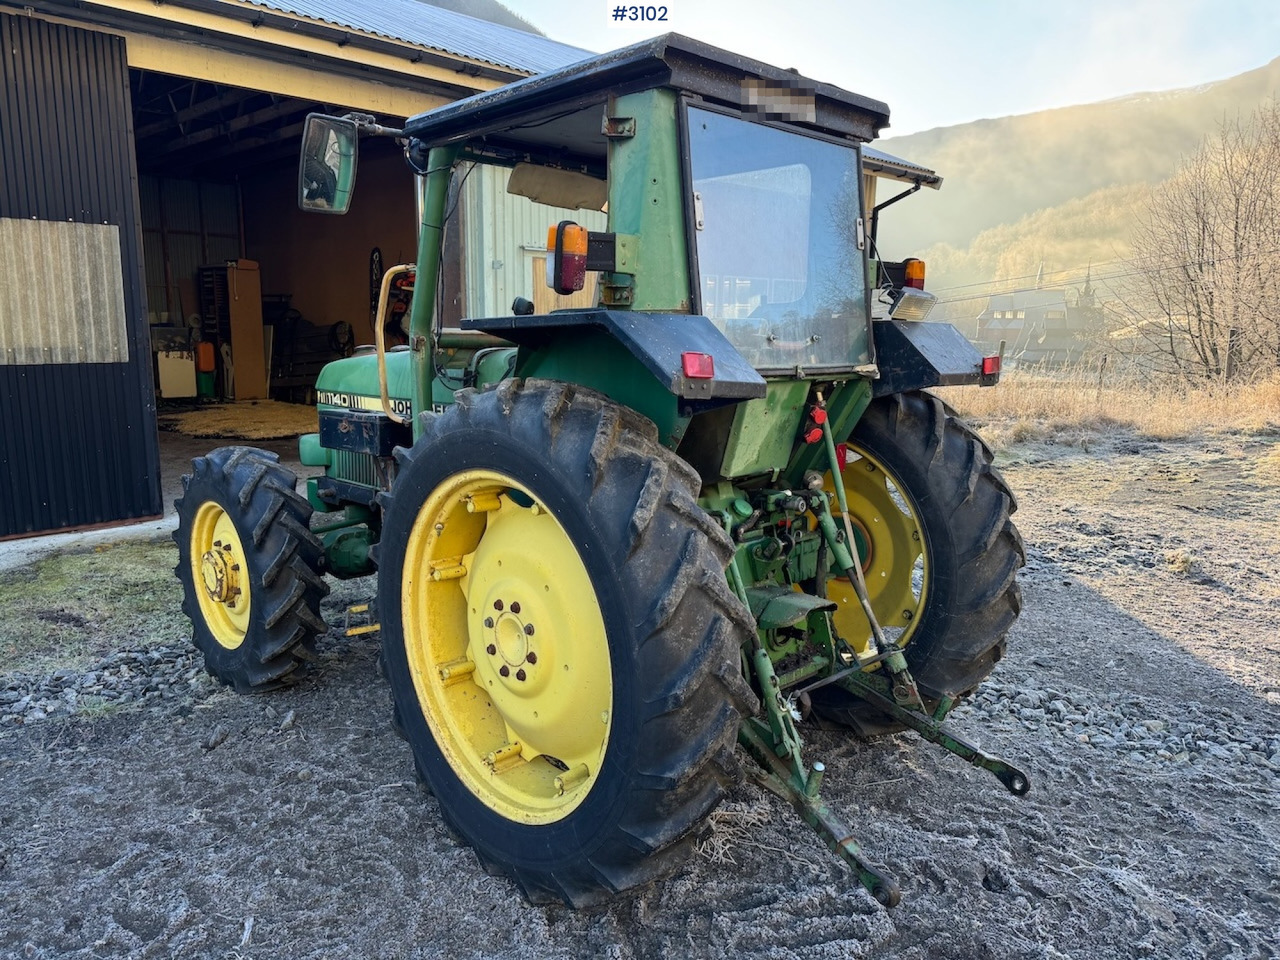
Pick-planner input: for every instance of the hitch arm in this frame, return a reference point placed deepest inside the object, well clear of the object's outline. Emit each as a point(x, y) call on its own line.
point(846, 558)
point(777, 776)
point(933, 730)
point(774, 743)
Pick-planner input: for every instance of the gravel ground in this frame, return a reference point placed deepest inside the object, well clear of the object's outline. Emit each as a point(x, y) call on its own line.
point(146, 812)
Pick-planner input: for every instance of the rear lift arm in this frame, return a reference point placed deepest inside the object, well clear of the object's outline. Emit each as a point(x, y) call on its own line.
point(775, 743)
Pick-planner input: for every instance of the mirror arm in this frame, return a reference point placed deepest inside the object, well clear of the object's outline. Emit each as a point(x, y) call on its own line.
point(367, 124)
point(875, 211)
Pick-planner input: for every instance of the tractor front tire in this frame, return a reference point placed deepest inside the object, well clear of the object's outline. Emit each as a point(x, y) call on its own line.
point(560, 640)
point(928, 500)
point(248, 563)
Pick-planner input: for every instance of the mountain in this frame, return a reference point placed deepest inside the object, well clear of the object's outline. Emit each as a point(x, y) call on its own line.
point(1060, 186)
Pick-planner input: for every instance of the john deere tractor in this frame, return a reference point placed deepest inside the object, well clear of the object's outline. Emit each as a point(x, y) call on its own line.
point(619, 546)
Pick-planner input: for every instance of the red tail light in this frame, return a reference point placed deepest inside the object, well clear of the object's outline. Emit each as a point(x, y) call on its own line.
point(990, 366)
point(698, 366)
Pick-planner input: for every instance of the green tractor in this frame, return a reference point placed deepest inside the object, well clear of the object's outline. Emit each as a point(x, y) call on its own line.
point(614, 543)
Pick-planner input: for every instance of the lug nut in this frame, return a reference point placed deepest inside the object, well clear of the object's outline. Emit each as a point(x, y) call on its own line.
point(505, 670)
point(488, 622)
point(515, 607)
point(491, 649)
point(497, 604)
point(532, 657)
point(528, 629)
point(519, 674)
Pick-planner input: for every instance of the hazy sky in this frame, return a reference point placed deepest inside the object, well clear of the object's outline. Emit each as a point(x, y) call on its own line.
point(940, 62)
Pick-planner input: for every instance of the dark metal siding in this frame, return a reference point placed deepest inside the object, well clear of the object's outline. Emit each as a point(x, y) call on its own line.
point(77, 441)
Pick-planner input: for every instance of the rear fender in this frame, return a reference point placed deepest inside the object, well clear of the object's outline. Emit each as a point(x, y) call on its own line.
point(634, 358)
point(914, 354)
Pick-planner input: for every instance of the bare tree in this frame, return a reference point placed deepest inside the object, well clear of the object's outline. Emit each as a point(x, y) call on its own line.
point(1204, 298)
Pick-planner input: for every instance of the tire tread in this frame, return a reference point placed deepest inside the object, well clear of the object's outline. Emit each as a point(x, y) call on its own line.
point(283, 556)
point(672, 556)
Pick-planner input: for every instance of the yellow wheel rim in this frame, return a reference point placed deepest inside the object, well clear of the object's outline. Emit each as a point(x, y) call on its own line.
point(506, 647)
point(220, 575)
point(891, 545)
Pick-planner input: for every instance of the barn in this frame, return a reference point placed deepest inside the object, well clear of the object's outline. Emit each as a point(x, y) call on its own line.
point(148, 157)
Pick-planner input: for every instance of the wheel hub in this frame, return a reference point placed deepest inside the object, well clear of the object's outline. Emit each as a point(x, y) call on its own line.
point(521, 656)
point(862, 542)
point(512, 640)
point(218, 569)
point(220, 574)
point(507, 640)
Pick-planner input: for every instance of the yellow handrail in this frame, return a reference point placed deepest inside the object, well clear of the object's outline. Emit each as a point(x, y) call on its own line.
point(379, 338)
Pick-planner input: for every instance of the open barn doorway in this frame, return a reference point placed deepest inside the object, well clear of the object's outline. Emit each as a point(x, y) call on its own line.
point(247, 296)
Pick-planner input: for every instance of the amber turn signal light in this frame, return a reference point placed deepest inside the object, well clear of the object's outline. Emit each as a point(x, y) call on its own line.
point(566, 257)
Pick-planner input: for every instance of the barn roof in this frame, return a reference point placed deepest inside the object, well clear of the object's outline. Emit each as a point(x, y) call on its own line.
point(422, 25)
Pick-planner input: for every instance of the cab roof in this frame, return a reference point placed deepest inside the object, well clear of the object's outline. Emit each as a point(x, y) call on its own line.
point(554, 110)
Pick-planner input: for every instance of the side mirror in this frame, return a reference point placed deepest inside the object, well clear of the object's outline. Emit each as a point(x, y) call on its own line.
point(327, 169)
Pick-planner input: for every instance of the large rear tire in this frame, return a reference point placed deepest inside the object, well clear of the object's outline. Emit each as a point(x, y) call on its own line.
point(933, 519)
point(248, 563)
point(559, 637)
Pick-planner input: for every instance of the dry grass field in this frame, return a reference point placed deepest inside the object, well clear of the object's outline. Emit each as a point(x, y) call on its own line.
point(1080, 404)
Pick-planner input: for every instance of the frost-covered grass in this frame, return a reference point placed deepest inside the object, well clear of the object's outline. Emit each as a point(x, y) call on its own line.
point(66, 610)
point(1078, 405)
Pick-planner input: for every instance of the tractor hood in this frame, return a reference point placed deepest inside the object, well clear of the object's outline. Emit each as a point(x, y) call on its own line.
point(352, 383)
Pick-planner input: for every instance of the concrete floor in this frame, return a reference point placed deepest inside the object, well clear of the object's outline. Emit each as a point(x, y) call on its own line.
point(176, 453)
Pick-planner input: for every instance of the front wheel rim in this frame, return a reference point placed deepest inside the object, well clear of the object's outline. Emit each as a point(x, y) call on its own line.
point(506, 647)
point(219, 572)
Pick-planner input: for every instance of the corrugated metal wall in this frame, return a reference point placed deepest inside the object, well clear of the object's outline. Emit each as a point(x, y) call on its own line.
point(504, 235)
point(77, 440)
point(185, 225)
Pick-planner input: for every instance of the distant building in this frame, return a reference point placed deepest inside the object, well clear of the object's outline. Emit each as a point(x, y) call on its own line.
point(1045, 325)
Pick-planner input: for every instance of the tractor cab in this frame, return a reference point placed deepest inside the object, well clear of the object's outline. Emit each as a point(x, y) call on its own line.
point(673, 179)
point(729, 202)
